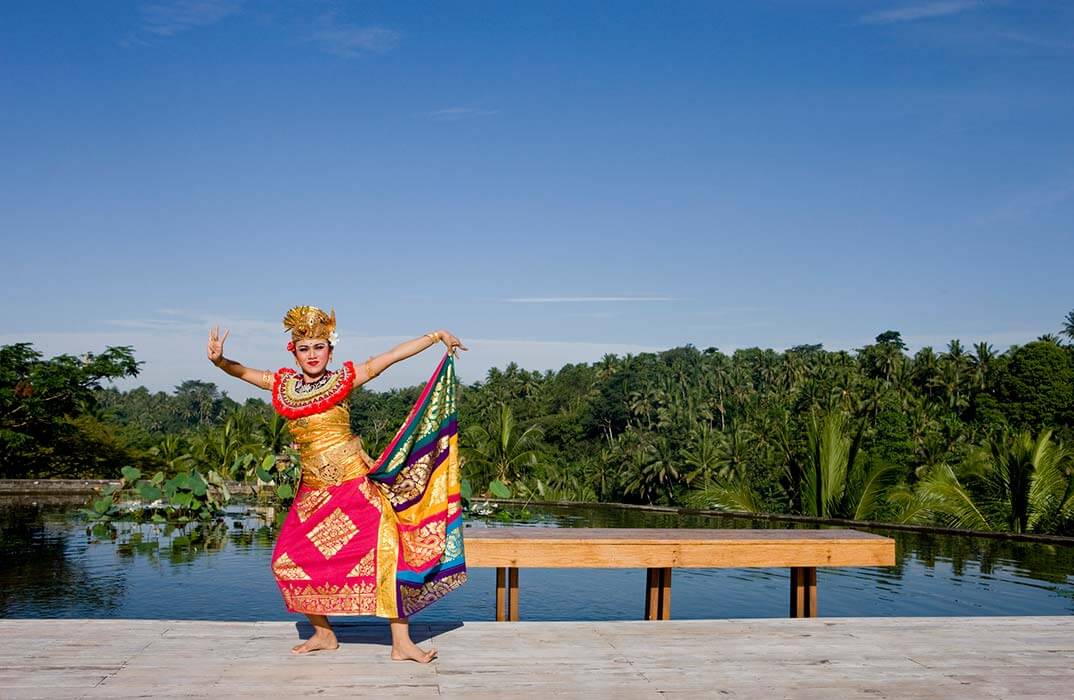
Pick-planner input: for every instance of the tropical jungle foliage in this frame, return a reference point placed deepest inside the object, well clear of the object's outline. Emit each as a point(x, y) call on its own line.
point(962, 437)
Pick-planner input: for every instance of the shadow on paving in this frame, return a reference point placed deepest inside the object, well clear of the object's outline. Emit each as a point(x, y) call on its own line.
point(378, 632)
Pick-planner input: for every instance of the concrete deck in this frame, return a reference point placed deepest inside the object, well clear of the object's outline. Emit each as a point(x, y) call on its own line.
point(994, 657)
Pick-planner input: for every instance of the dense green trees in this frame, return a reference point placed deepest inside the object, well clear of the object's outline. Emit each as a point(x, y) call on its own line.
point(961, 436)
point(50, 424)
point(863, 435)
point(1036, 386)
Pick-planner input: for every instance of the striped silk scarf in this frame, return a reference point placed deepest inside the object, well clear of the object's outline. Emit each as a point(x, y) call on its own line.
point(418, 473)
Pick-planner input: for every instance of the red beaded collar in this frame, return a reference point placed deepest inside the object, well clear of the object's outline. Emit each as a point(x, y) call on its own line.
point(292, 404)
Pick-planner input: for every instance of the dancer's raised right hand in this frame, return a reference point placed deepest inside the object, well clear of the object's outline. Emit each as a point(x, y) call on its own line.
point(216, 345)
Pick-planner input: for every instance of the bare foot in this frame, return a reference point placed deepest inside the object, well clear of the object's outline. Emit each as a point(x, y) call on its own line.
point(318, 642)
point(412, 652)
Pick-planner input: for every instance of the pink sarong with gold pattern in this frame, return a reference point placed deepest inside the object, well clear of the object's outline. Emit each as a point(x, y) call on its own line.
point(370, 537)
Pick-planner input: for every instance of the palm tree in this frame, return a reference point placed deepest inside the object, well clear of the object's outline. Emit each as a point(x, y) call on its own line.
point(174, 453)
point(653, 470)
point(274, 433)
point(830, 449)
point(643, 404)
point(705, 456)
point(604, 474)
point(837, 483)
point(1013, 483)
point(607, 366)
point(926, 369)
point(717, 383)
point(499, 450)
point(1068, 325)
point(984, 356)
point(217, 448)
point(735, 495)
point(952, 377)
point(925, 432)
point(197, 401)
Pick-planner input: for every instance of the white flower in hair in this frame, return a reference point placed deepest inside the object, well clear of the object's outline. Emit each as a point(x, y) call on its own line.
point(333, 338)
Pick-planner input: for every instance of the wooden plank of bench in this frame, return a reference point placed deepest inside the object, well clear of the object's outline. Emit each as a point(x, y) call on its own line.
point(601, 548)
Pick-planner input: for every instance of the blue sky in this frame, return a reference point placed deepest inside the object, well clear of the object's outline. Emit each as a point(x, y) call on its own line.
point(550, 181)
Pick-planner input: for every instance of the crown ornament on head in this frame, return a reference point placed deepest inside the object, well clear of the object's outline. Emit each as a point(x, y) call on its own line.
point(308, 322)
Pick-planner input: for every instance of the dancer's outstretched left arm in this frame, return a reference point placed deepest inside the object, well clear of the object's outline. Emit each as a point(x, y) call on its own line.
point(378, 363)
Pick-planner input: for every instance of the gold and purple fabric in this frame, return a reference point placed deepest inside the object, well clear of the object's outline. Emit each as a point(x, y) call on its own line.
point(382, 537)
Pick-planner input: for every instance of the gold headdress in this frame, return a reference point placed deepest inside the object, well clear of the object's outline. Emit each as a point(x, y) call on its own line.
point(307, 322)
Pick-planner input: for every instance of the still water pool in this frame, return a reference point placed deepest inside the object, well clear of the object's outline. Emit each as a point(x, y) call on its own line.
point(51, 567)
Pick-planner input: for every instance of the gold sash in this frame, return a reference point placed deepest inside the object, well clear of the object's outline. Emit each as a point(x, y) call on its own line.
point(330, 453)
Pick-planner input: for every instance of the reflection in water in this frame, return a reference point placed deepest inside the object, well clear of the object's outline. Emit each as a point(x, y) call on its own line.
point(44, 560)
point(55, 565)
point(239, 526)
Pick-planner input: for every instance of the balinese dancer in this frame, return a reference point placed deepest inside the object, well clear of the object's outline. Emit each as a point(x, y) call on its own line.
point(363, 537)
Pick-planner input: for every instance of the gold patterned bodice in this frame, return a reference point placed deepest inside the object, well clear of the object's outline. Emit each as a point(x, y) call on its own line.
point(330, 453)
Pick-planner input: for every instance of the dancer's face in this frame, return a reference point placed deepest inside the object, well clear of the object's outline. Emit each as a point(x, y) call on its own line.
point(313, 356)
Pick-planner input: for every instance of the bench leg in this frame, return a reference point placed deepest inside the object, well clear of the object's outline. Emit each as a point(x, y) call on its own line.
point(512, 587)
point(658, 594)
point(501, 594)
point(803, 591)
point(652, 599)
point(665, 594)
point(507, 594)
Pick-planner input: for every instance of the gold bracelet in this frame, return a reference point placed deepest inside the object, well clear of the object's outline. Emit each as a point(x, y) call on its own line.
point(435, 337)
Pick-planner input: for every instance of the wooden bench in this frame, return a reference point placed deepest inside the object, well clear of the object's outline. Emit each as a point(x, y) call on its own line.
point(660, 550)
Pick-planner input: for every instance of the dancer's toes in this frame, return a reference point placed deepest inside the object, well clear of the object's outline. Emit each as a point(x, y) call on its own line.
point(316, 643)
point(413, 653)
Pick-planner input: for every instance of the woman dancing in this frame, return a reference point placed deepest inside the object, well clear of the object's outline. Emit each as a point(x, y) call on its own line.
point(363, 537)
